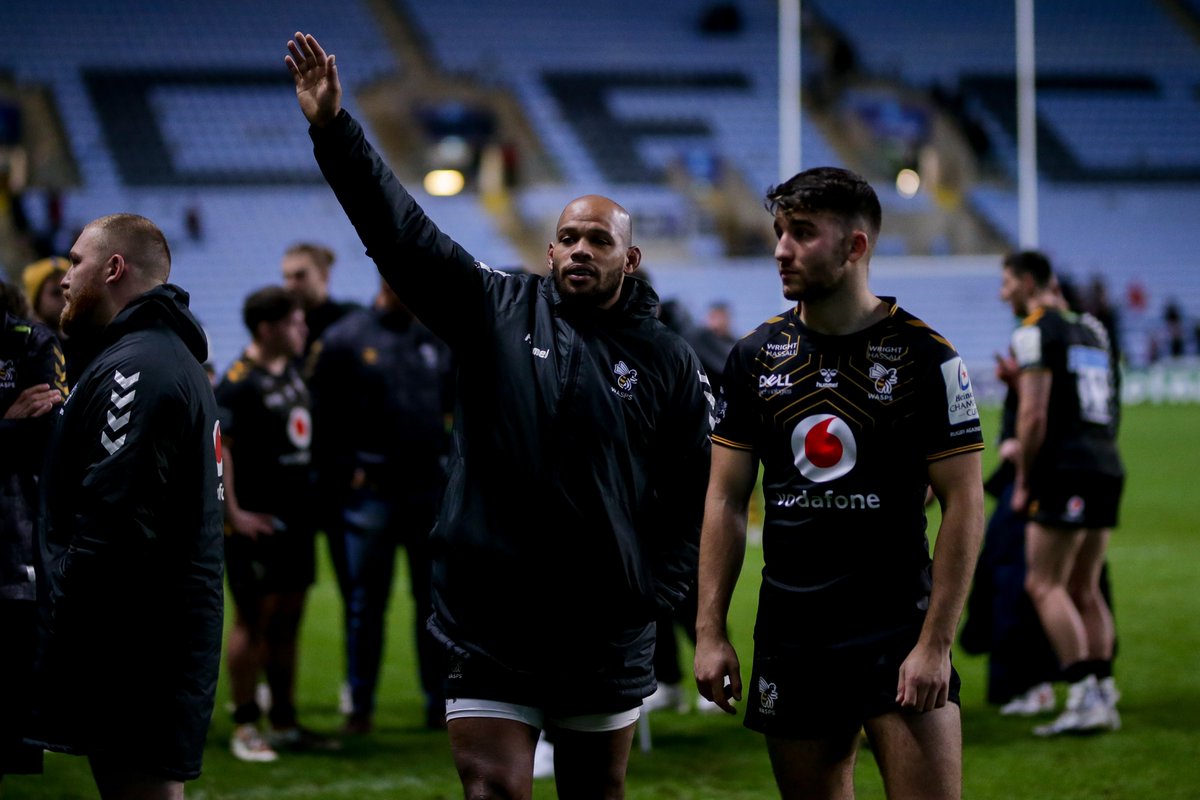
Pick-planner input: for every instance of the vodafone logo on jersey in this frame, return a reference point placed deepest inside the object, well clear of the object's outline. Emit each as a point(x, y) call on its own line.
point(217, 448)
point(299, 427)
point(824, 447)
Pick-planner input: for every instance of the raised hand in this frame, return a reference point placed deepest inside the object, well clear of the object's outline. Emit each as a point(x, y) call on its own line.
point(315, 73)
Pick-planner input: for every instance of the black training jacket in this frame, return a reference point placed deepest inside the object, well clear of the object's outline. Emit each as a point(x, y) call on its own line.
point(581, 448)
point(29, 355)
point(131, 548)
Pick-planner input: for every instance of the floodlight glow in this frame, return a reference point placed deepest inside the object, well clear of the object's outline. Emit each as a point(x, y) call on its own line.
point(908, 182)
point(444, 182)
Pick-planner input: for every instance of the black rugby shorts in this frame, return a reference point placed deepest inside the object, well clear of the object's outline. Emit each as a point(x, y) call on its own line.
point(828, 693)
point(1074, 499)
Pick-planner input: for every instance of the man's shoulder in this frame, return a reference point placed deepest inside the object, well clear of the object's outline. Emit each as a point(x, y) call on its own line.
point(918, 336)
point(775, 336)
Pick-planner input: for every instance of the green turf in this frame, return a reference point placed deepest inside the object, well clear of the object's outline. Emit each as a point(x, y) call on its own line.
point(1154, 563)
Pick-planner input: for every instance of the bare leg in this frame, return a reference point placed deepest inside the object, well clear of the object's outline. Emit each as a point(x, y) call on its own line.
point(814, 769)
point(1050, 557)
point(243, 656)
point(919, 754)
point(281, 629)
point(1084, 587)
point(494, 757)
point(126, 783)
point(591, 766)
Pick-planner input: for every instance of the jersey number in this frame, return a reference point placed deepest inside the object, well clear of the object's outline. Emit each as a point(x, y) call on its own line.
point(1093, 383)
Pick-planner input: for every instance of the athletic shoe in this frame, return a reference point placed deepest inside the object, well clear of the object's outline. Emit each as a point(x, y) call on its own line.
point(1086, 712)
point(298, 739)
point(1109, 690)
point(1038, 700)
point(1111, 695)
point(543, 758)
point(706, 706)
point(248, 744)
point(667, 695)
point(345, 700)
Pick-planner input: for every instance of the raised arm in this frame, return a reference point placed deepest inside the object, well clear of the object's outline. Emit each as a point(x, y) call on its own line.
point(435, 277)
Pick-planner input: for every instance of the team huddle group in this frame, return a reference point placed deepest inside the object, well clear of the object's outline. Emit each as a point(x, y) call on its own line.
point(592, 480)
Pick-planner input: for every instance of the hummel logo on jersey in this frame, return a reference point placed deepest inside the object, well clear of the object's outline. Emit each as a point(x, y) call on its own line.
point(827, 379)
point(885, 379)
point(708, 395)
point(537, 351)
point(120, 401)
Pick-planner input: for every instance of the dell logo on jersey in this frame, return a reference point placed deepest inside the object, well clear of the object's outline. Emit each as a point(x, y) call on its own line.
point(774, 381)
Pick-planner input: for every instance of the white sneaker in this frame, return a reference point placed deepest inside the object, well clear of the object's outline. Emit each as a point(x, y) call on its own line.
point(543, 758)
point(248, 744)
point(1086, 711)
point(706, 706)
point(1038, 700)
point(667, 695)
point(1111, 695)
point(345, 700)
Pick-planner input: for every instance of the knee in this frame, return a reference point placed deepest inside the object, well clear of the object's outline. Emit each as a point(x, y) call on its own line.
point(1086, 597)
point(491, 787)
point(1038, 587)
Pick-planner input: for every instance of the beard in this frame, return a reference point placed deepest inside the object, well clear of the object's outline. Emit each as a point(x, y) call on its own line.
point(601, 289)
point(79, 315)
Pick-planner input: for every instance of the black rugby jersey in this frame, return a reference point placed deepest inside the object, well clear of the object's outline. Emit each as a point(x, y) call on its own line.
point(1082, 417)
point(845, 427)
point(267, 417)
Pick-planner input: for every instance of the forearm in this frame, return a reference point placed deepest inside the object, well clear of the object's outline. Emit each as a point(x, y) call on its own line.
point(722, 553)
point(1031, 434)
point(959, 539)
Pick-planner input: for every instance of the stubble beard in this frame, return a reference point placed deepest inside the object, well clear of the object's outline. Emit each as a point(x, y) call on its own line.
point(602, 292)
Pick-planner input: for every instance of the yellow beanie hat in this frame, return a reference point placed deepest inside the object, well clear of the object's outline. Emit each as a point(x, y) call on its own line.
point(36, 274)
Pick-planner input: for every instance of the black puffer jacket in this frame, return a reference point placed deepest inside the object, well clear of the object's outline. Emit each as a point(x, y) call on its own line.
point(131, 546)
point(580, 450)
point(29, 355)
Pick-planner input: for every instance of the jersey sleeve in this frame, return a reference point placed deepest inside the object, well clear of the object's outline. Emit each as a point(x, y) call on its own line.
point(736, 414)
point(951, 419)
point(1028, 348)
point(230, 394)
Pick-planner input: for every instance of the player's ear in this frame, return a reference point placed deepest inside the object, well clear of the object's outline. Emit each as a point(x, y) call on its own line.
point(633, 260)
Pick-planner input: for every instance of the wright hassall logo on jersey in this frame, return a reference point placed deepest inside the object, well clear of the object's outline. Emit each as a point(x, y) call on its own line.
point(782, 350)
